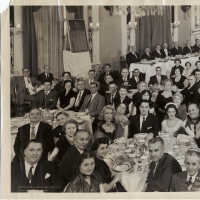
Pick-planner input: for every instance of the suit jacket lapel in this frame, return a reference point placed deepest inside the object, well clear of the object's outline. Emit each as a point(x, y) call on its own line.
point(39, 131)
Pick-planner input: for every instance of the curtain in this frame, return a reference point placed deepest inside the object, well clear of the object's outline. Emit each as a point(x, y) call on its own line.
point(49, 25)
point(29, 40)
point(154, 29)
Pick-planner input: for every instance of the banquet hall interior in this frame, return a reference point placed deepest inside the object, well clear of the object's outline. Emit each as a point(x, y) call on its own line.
point(116, 88)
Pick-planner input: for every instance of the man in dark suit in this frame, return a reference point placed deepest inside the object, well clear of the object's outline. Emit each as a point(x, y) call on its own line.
point(91, 78)
point(147, 54)
point(189, 92)
point(80, 95)
point(94, 102)
point(176, 50)
point(25, 89)
point(132, 56)
point(157, 79)
point(157, 53)
point(136, 78)
point(141, 86)
point(188, 49)
point(188, 180)
point(107, 70)
point(34, 130)
point(112, 95)
point(143, 122)
point(68, 167)
point(45, 76)
point(125, 80)
point(32, 173)
point(196, 47)
point(165, 51)
point(47, 98)
point(162, 167)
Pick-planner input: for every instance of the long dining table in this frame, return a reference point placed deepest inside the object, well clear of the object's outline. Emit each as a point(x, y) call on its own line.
point(148, 67)
point(134, 152)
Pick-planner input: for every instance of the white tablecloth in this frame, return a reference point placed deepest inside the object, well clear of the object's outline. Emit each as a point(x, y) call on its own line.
point(149, 67)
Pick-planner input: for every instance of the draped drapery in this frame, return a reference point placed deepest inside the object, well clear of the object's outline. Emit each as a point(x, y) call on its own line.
point(49, 28)
point(29, 40)
point(154, 29)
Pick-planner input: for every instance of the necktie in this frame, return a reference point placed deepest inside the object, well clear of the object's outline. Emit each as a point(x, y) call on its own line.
point(89, 101)
point(155, 167)
point(195, 129)
point(143, 119)
point(30, 174)
point(190, 180)
point(78, 99)
point(32, 132)
point(111, 99)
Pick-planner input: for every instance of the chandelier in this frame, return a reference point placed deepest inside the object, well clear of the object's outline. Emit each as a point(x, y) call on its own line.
point(137, 11)
point(141, 11)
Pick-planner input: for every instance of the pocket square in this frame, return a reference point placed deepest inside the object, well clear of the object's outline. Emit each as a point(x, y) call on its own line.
point(150, 127)
point(47, 175)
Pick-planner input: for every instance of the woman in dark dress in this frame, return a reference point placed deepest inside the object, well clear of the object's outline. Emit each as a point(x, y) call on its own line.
point(100, 147)
point(178, 79)
point(108, 128)
point(61, 119)
point(66, 98)
point(163, 98)
point(88, 178)
point(65, 141)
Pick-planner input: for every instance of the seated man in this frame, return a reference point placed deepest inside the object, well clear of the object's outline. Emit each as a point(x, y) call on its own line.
point(107, 70)
point(143, 122)
point(80, 95)
point(189, 179)
point(47, 98)
point(132, 56)
point(91, 78)
point(32, 173)
point(36, 129)
point(157, 79)
point(45, 76)
point(94, 102)
point(196, 47)
point(176, 50)
point(25, 90)
point(162, 167)
point(125, 80)
point(165, 50)
point(141, 86)
point(136, 78)
point(147, 54)
point(113, 94)
point(157, 53)
point(68, 167)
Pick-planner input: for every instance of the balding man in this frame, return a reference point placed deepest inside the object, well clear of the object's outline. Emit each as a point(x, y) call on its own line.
point(162, 167)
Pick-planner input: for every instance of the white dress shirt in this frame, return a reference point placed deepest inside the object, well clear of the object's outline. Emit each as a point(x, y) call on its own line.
point(166, 52)
point(93, 95)
point(28, 166)
point(35, 128)
point(193, 177)
point(142, 119)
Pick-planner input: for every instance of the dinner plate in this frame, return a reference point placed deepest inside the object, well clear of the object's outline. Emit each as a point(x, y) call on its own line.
point(123, 167)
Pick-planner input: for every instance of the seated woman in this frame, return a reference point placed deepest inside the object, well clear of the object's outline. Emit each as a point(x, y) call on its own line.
point(108, 128)
point(66, 98)
point(181, 108)
point(147, 54)
point(192, 124)
point(187, 70)
point(64, 142)
point(61, 119)
point(163, 98)
point(172, 123)
point(178, 79)
point(100, 149)
point(88, 179)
